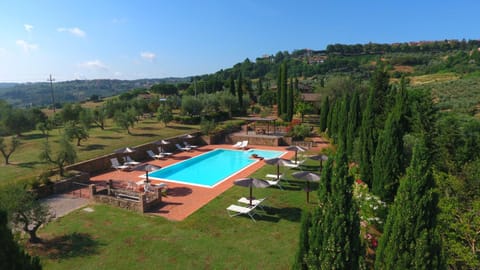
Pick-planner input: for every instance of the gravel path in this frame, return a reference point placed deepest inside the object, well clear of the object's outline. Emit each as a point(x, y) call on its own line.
point(63, 204)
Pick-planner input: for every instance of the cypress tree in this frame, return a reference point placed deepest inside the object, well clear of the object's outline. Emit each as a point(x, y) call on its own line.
point(332, 119)
point(388, 159)
point(279, 91)
point(367, 141)
point(354, 121)
point(240, 91)
point(380, 88)
point(303, 244)
point(410, 239)
point(259, 87)
point(232, 85)
point(324, 114)
point(289, 102)
point(340, 247)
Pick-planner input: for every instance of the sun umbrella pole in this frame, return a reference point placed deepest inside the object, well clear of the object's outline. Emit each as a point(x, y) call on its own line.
point(251, 195)
point(296, 157)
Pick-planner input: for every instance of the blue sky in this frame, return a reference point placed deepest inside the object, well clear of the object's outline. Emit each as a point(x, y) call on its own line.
point(155, 39)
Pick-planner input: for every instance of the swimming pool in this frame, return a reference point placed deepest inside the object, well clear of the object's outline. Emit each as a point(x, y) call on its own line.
point(210, 169)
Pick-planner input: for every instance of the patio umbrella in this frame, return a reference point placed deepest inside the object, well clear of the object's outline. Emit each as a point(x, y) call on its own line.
point(189, 136)
point(309, 177)
point(250, 183)
point(322, 158)
point(162, 143)
point(147, 168)
point(296, 148)
point(279, 162)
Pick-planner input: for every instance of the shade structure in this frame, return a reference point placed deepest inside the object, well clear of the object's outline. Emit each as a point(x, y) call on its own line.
point(147, 168)
point(296, 148)
point(124, 150)
point(322, 158)
point(189, 136)
point(308, 177)
point(279, 162)
point(250, 183)
point(162, 142)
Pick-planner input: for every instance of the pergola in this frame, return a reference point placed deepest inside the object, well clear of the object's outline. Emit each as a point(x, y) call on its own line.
point(268, 120)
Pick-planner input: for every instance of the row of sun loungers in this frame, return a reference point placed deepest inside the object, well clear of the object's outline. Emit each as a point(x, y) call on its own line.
point(249, 210)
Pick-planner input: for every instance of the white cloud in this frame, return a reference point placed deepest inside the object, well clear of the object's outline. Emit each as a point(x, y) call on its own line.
point(74, 31)
point(27, 47)
point(149, 56)
point(28, 27)
point(94, 64)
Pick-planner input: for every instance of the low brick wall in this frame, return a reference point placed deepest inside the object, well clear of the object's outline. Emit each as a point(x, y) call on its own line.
point(102, 163)
point(259, 139)
point(63, 186)
point(125, 199)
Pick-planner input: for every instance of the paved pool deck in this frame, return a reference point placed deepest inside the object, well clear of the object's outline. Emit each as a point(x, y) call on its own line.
point(182, 199)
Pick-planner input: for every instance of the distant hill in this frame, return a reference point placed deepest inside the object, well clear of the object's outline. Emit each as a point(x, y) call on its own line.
point(39, 94)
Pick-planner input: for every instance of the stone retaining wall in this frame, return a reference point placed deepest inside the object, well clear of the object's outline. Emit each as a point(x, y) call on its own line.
point(63, 186)
point(102, 163)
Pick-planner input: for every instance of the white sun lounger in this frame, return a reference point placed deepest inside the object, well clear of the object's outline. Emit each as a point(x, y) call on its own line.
point(237, 144)
point(274, 183)
point(179, 147)
point(153, 155)
point(162, 152)
point(130, 162)
point(245, 200)
point(189, 145)
point(235, 210)
point(116, 164)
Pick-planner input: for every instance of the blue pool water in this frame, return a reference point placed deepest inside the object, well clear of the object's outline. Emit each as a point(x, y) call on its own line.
point(211, 168)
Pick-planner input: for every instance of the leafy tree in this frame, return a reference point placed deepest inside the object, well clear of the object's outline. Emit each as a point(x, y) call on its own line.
point(99, 117)
point(12, 256)
point(324, 113)
point(65, 155)
point(7, 152)
point(303, 108)
point(24, 210)
point(76, 132)
point(164, 89)
point(227, 102)
point(70, 112)
point(410, 239)
point(16, 122)
point(164, 114)
point(124, 120)
point(86, 118)
point(191, 105)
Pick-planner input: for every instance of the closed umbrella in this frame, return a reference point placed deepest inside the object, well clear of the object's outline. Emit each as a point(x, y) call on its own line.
point(147, 168)
point(279, 162)
point(309, 177)
point(162, 143)
point(250, 183)
point(322, 158)
point(296, 148)
point(125, 150)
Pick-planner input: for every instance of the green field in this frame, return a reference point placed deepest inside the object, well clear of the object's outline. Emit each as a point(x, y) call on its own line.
point(26, 164)
point(111, 238)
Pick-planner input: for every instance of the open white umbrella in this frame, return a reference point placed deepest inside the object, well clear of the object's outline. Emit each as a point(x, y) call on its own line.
point(309, 177)
point(189, 136)
point(147, 168)
point(322, 158)
point(279, 162)
point(296, 148)
point(162, 143)
point(250, 183)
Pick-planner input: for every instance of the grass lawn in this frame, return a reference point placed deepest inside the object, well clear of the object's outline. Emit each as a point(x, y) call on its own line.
point(111, 238)
point(27, 165)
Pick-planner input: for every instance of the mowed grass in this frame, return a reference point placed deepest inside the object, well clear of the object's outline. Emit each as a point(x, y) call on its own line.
point(26, 164)
point(112, 238)
point(433, 78)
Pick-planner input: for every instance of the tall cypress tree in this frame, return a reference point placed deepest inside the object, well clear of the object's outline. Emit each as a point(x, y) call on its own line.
point(289, 102)
point(240, 91)
point(340, 248)
point(354, 120)
point(324, 113)
point(279, 91)
point(232, 85)
point(303, 244)
point(410, 239)
point(367, 141)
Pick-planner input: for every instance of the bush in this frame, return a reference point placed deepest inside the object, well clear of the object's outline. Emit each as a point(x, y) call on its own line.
point(299, 132)
point(207, 126)
point(189, 120)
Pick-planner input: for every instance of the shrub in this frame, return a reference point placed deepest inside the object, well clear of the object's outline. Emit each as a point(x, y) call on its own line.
point(189, 120)
point(299, 132)
point(207, 126)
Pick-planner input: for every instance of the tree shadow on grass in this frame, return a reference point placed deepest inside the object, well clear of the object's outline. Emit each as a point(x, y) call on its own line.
point(143, 134)
point(30, 164)
point(288, 213)
point(108, 137)
point(69, 246)
point(93, 147)
point(32, 136)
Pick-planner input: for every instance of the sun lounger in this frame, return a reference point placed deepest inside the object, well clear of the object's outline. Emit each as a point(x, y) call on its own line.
point(130, 162)
point(237, 144)
point(274, 176)
point(189, 145)
point(245, 200)
point(162, 152)
point(179, 147)
point(274, 183)
point(116, 164)
point(235, 210)
point(153, 155)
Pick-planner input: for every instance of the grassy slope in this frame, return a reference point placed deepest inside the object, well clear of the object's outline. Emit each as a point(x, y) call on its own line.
point(26, 163)
point(111, 238)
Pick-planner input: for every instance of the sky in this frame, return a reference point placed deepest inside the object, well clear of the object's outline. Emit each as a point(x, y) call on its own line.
point(122, 39)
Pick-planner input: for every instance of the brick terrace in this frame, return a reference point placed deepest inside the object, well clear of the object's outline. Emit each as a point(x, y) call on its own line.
point(183, 199)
